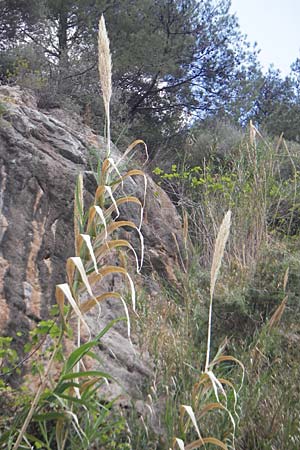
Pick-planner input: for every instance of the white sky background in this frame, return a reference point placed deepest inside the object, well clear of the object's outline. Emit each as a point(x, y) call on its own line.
point(275, 26)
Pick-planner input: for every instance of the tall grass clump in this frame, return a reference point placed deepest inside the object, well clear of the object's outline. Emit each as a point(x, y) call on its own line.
point(258, 181)
point(196, 392)
point(209, 392)
point(200, 396)
point(66, 411)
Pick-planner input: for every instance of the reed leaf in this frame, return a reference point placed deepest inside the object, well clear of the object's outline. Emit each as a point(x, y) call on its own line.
point(276, 317)
point(121, 224)
point(189, 410)
point(127, 199)
point(99, 194)
point(115, 244)
point(110, 193)
point(202, 442)
point(77, 262)
point(87, 239)
point(132, 147)
point(78, 211)
point(131, 173)
point(210, 407)
point(108, 270)
point(100, 213)
point(64, 289)
point(180, 443)
point(90, 303)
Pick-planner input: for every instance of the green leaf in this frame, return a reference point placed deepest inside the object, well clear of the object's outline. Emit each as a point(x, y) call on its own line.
point(61, 387)
point(78, 354)
point(78, 401)
point(49, 416)
point(83, 350)
point(108, 327)
point(87, 373)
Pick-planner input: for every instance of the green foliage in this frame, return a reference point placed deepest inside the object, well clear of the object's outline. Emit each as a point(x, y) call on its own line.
point(258, 180)
point(270, 410)
point(8, 358)
point(59, 409)
point(187, 58)
point(203, 180)
point(277, 107)
point(25, 71)
point(255, 302)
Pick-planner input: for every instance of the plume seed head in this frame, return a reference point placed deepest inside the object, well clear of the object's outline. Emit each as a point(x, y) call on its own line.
point(104, 64)
point(221, 240)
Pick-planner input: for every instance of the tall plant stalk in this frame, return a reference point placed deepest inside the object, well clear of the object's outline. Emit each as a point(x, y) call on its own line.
point(94, 238)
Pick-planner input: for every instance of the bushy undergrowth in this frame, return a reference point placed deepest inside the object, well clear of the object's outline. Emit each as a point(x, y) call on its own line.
point(256, 304)
point(258, 180)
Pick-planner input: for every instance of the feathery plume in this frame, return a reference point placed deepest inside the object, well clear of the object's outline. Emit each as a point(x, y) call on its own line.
point(221, 240)
point(105, 70)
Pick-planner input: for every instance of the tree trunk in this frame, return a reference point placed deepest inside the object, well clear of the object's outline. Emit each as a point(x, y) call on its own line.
point(63, 37)
point(62, 34)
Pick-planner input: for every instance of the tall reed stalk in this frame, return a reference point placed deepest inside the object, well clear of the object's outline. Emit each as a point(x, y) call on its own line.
point(209, 392)
point(95, 230)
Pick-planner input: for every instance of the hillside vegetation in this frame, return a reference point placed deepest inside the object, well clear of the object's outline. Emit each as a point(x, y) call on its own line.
point(256, 304)
point(224, 336)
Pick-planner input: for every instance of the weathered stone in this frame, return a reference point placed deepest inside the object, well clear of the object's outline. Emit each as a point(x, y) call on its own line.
point(41, 154)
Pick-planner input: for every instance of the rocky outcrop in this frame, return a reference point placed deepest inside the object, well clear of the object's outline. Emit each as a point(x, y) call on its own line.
point(41, 154)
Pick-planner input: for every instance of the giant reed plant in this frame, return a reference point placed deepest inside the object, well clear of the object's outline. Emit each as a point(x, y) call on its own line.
point(68, 413)
point(72, 402)
point(210, 392)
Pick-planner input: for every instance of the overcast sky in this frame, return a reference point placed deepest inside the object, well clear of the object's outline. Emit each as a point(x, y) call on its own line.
point(275, 26)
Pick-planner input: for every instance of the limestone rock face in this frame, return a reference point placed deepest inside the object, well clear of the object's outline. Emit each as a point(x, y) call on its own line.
point(41, 153)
